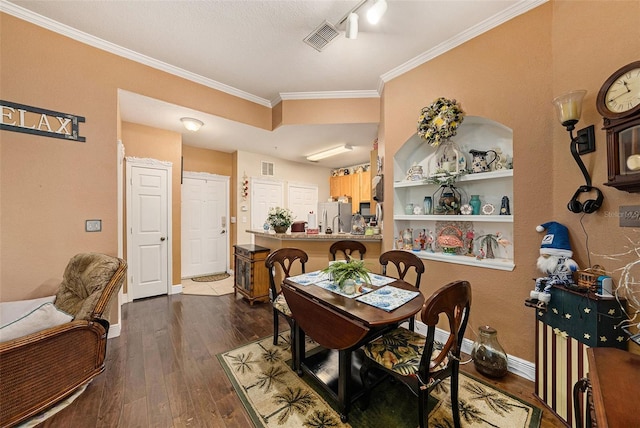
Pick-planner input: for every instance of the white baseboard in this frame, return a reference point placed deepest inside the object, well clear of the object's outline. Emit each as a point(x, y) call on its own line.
point(176, 289)
point(516, 365)
point(114, 331)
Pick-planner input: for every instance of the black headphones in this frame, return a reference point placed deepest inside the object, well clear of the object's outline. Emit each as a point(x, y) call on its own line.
point(589, 206)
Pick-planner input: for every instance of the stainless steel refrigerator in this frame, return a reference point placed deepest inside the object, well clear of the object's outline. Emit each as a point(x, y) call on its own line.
point(336, 215)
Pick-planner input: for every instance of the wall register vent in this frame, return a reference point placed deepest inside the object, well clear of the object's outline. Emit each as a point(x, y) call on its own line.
point(267, 168)
point(321, 36)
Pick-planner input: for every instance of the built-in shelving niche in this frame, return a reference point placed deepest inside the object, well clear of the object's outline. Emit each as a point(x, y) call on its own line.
point(474, 133)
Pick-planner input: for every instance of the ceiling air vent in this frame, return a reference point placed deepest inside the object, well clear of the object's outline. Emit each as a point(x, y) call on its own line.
point(321, 36)
point(267, 168)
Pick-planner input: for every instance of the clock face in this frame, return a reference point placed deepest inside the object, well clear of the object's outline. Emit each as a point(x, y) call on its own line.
point(624, 93)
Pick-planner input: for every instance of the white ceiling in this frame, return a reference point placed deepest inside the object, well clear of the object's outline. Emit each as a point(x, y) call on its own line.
point(255, 50)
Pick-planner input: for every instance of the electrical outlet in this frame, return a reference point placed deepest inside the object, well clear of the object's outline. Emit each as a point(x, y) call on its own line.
point(93, 225)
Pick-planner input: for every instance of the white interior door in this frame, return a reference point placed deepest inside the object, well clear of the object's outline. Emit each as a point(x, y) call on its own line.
point(303, 199)
point(205, 242)
point(265, 194)
point(148, 224)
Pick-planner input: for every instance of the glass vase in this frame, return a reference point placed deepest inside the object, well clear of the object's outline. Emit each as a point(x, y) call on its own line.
point(448, 200)
point(427, 205)
point(488, 356)
point(475, 204)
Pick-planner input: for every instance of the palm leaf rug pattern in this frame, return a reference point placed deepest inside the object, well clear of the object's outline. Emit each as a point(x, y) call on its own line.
point(275, 396)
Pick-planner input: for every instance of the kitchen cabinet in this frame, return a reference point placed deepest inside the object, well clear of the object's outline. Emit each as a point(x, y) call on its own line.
point(251, 275)
point(365, 186)
point(475, 133)
point(356, 185)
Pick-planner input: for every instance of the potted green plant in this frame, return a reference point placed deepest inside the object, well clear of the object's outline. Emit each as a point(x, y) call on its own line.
point(345, 274)
point(280, 219)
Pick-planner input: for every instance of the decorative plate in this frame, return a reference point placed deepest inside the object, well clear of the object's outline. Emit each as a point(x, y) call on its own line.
point(466, 209)
point(488, 209)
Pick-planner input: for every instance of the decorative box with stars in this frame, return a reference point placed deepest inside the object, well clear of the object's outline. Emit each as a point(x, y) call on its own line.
point(572, 323)
point(585, 317)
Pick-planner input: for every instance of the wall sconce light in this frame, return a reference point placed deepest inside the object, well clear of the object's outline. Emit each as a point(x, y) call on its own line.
point(191, 124)
point(569, 109)
point(345, 148)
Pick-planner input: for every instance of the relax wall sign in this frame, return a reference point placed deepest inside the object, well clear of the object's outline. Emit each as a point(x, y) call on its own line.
point(37, 121)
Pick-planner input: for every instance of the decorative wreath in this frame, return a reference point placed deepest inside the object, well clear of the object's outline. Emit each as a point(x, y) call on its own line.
point(439, 121)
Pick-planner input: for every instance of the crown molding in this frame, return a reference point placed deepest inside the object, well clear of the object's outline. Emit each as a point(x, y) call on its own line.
point(34, 18)
point(499, 19)
point(285, 96)
point(104, 45)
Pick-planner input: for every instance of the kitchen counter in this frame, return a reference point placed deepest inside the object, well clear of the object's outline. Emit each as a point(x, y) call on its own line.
point(317, 246)
point(298, 236)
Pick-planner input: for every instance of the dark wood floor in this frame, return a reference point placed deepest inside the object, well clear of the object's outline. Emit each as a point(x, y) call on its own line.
point(163, 372)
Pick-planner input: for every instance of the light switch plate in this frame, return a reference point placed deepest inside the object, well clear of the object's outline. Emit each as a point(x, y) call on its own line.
point(93, 225)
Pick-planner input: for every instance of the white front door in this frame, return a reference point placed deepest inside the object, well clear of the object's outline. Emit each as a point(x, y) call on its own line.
point(205, 241)
point(303, 199)
point(148, 227)
point(265, 194)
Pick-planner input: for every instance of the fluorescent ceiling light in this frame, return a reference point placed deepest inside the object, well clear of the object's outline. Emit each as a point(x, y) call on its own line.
point(191, 124)
point(352, 26)
point(376, 11)
point(330, 152)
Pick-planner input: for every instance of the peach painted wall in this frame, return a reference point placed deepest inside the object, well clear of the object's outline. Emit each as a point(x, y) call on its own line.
point(49, 187)
point(362, 110)
point(510, 74)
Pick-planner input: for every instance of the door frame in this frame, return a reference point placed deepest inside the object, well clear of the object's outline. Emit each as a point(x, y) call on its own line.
point(226, 180)
point(151, 164)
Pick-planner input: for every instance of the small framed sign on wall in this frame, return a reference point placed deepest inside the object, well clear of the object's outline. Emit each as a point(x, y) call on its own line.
point(38, 121)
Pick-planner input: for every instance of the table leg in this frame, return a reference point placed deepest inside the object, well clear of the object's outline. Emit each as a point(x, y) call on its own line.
point(344, 383)
point(298, 348)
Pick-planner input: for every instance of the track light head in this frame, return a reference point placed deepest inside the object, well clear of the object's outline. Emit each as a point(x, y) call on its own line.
point(376, 11)
point(352, 26)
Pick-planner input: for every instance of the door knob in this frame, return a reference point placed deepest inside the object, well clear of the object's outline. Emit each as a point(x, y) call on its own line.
point(162, 238)
point(223, 232)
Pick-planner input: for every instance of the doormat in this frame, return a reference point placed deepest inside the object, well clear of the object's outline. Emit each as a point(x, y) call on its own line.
point(211, 278)
point(275, 396)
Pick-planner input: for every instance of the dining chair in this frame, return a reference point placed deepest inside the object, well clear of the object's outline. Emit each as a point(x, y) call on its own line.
point(285, 258)
point(403, 261)
point(347, 247)
point(420, 362)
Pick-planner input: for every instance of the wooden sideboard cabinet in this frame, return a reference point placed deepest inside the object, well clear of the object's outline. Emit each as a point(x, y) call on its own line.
point(251, 275)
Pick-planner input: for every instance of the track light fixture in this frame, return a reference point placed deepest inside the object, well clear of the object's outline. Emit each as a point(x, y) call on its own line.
point(376, 11)
point(374, 14)
point(352, 26)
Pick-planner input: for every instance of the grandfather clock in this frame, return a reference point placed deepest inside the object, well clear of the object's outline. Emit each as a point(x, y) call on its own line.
point(618, 102)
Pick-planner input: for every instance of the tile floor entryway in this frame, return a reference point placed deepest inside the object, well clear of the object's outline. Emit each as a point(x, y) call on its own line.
point(213, 288)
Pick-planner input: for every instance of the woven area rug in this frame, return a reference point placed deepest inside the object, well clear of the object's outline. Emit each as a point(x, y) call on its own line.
point(275, 396)
point(211, 278)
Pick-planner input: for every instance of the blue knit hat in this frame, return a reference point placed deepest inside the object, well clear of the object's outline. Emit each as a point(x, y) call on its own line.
point(556, 241)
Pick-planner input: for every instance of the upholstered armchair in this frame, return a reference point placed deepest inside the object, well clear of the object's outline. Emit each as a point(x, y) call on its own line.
point(41, 368)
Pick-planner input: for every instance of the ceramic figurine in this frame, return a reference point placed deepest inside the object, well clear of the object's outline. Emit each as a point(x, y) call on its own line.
point(504, 207)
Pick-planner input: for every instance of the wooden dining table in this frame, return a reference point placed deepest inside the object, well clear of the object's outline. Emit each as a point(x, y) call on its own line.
point(340, 325)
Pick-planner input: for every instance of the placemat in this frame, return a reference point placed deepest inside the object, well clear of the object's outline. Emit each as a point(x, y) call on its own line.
point(388, 297)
